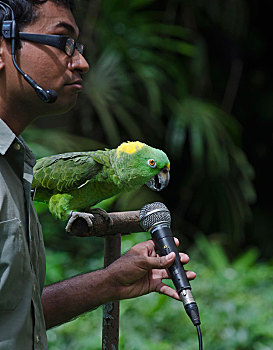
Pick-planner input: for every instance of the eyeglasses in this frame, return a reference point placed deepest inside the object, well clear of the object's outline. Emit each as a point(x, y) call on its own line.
point(62, 42)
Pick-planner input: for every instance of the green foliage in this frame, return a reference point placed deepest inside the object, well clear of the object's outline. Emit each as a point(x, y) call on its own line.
point(233, 299)
point(47, 142)
point(137, 67)
point(218, 167)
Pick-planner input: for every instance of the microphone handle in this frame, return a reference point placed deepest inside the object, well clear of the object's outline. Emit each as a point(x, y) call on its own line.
point(163, 239)
point(164, 242)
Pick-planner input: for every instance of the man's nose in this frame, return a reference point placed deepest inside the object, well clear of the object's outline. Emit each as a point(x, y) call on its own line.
point(78, 62)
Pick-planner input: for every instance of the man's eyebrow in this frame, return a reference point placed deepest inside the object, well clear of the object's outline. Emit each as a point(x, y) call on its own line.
point(68, 27)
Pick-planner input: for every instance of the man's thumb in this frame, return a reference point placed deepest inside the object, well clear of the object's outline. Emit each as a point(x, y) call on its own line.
point(161, 262)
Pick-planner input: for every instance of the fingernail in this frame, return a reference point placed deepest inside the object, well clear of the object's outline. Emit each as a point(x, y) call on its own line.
point(170, 256)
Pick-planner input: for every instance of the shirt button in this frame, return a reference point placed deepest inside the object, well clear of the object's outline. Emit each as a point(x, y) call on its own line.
point(16, 146)
point(34, 288)
point(37, 339)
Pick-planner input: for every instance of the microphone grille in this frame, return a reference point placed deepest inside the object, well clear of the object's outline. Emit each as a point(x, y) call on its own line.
point(154, 214)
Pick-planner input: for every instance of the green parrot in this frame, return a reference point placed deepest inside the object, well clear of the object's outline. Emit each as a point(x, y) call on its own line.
point(79, 180)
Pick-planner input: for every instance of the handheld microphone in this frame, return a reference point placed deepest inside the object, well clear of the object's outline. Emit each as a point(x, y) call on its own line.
point(156, 219)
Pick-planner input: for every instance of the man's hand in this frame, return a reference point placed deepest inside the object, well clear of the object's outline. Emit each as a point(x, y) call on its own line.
point(141, 270)
point(138, 272)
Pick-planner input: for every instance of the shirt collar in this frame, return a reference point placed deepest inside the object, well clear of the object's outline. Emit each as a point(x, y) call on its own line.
point(29, 156)
point(6, 137)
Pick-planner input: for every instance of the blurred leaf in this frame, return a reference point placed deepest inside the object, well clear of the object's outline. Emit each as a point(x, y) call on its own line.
point(219, 174)
point(45, 142)
point(246, 260)
point(213, 252)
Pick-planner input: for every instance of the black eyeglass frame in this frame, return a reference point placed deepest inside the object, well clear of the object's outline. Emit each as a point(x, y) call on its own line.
point(62, 42)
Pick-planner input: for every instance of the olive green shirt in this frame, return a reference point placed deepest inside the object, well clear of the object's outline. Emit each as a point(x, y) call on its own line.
point(22, 254)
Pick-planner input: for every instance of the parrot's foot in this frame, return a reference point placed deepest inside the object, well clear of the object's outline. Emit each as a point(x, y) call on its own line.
point(88, 218)
point(104, 214)
point(75, 215)
point(59, 206)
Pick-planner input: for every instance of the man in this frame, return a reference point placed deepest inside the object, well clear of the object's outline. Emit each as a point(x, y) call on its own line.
point(27, 309)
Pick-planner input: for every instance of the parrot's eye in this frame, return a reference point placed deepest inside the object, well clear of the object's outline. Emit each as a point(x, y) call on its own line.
point(151, 163)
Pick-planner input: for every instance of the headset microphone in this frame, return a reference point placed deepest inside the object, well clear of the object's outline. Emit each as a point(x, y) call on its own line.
point(9, 31)
point(48, 96)
point(156, 219)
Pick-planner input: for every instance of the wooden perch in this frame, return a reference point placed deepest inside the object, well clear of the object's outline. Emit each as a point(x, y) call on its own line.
point(110, 226)
point(87, 224)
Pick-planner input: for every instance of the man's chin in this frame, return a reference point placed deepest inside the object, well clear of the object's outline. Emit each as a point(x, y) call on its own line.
point(60, 106)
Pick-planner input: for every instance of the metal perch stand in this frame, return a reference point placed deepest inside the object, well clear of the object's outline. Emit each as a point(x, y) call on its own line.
point(89, 225)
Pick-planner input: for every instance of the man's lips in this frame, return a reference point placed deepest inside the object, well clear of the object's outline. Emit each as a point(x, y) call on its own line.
point(77, 84)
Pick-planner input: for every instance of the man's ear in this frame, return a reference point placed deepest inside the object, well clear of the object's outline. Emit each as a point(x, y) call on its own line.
point(2, 61)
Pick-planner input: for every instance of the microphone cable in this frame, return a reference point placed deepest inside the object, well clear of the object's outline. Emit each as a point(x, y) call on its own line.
point(200, 340)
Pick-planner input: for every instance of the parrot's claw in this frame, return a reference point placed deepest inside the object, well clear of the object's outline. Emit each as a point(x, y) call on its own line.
point(88, 218)
point(74, 215)
point(104, 214)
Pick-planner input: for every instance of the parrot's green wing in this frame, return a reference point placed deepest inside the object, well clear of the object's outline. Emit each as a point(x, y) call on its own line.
point(64, 172)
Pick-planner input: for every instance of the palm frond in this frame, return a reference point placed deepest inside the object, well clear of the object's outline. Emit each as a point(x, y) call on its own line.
point(45, 142)
point(219, 176)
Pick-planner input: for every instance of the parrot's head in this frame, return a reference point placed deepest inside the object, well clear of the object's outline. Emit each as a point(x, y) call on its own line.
point(140, 164)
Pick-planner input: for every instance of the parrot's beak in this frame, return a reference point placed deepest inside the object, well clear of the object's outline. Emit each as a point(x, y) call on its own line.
point(160, 180)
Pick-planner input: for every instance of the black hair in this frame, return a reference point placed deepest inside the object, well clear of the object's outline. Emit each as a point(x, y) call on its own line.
point(25, 11)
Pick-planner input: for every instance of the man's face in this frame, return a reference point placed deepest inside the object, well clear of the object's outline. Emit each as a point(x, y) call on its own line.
point(50, 67)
